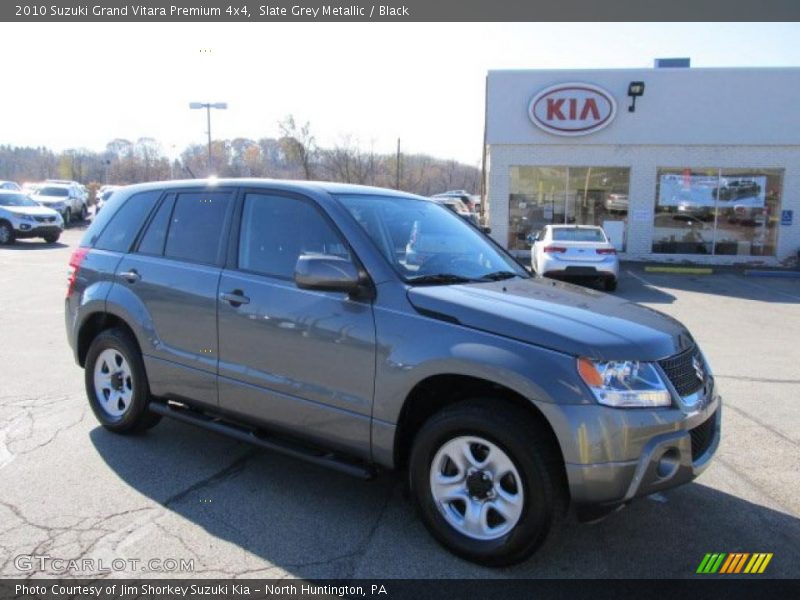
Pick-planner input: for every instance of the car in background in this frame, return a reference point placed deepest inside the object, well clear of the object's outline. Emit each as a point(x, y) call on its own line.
point(738, 188)
point(64, 198)
point(575, 251)
point(9, 185)
point(690, 208)
point(616, 201)
point(748, 215)
point(103, 194)
point(21, 217)
point(30, 187)
point(457, 206)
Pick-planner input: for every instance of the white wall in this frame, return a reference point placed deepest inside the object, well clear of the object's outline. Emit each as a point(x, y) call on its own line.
point(679, 106)
point(644, 161)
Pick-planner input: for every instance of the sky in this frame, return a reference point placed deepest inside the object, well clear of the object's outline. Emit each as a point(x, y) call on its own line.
point(84, 84)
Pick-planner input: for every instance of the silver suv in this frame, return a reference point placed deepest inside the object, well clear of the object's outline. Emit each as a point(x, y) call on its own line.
point(290, 315)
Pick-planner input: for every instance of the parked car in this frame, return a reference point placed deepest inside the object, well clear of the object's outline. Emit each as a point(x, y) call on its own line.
point(10, 185)
point(616, 201)
point(575, 251)
point(103, 194)
point(693, 209)
point(457, 206)
point(21, 217)
point(737, 188)
point(65, 198)
point(285, 314)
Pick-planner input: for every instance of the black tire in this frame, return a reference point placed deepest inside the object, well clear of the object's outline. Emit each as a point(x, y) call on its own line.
point(67, 217)
point(52, 239)
point(531, 449)
point(84, 212)
point(136, 417)
point(610, 285)
point(6, 233)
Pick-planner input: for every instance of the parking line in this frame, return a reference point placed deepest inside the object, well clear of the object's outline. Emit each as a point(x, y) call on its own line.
point(766, 289)
point(640, 278)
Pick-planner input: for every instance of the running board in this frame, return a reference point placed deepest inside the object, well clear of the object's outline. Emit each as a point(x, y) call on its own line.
point(262, 439)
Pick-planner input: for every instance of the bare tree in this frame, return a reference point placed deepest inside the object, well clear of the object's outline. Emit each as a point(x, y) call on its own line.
point(299, 145)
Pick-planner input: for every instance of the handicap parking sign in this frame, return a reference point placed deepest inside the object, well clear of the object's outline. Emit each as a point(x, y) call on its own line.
point(786, 217)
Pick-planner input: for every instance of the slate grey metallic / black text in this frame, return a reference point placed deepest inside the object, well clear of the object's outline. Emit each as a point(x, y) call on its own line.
point(364, 328)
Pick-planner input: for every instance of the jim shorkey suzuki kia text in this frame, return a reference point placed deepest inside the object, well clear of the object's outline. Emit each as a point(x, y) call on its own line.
point(365, 329)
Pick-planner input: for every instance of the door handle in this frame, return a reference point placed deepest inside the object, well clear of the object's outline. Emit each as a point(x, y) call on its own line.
point(235, 298)
point(131, 276)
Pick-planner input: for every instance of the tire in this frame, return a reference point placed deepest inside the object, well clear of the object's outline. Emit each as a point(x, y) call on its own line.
point(52, 239)
point(532, 489)
point(84, 212)
point(610, 285)
point(125, 391)
point(6, 234)
point(67, 217)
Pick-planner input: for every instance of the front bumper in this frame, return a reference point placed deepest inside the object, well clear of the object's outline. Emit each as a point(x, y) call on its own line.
point(35, 230)
point(617, 455)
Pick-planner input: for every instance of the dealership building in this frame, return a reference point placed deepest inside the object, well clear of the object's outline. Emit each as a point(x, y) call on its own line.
point(676, 163)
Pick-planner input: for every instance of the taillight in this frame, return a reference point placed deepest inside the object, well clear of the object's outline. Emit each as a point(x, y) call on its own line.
point(606, 251)
point(74, 266)
point(554, 249)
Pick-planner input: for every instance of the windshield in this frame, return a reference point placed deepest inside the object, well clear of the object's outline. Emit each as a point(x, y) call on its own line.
point(16, 200)
point(52, 191)
point(428, 243)
point(578, 235)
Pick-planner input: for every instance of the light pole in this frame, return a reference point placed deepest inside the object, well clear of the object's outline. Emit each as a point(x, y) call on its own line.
point(208, 106)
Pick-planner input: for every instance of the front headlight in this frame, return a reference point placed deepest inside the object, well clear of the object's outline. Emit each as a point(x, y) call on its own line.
point(624, 383)
point(27, 217)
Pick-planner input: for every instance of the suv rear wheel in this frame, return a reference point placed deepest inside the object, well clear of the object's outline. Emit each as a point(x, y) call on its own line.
point(487, 481)
point(116, 383)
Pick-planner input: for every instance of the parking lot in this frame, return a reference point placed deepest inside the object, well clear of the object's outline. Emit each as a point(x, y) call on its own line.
point(70, 489)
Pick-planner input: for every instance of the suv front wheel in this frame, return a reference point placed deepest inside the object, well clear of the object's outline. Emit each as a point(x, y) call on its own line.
point(487, 481)
point(116, 383)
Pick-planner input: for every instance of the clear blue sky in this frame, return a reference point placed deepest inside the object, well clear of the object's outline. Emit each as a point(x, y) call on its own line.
point(80, 85)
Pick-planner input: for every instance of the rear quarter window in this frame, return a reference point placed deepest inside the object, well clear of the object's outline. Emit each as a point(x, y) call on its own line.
point(120, 220)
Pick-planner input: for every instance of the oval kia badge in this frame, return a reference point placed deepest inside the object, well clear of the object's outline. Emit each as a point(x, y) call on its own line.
point(572, 109)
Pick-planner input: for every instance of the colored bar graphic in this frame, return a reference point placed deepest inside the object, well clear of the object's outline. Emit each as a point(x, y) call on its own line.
point(723, 563)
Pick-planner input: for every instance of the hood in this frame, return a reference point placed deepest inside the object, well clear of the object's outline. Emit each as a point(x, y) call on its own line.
point(557, 315)
point(41, 211)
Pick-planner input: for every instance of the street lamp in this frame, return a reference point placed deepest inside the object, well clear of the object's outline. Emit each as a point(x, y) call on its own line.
point(208, 106)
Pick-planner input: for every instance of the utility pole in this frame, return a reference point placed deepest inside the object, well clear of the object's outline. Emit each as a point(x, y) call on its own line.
point(397, 183)
point(208, 106)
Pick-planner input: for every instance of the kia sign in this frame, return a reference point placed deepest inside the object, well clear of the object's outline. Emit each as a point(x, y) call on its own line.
point(572, 109)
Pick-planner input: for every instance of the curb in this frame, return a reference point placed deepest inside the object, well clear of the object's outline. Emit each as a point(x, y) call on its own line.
point(684, 270)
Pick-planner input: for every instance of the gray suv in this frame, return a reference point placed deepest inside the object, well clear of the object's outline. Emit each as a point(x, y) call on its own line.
point(291, 315)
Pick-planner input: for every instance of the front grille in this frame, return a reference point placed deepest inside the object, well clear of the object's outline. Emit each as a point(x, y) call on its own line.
point(702, 436)
point(681, 371)
point(45, 219)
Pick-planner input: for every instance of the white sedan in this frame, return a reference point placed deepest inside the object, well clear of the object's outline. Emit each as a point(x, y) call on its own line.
point(579, 251)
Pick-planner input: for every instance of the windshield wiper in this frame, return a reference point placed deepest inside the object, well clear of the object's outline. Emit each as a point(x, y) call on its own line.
point(443, 278)
point(498, 276)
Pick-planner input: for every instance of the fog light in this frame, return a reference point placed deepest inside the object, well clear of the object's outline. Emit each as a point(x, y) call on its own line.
point(668, 464)
point(24, 226)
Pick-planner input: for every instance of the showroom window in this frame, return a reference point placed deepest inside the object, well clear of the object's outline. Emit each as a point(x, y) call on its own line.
point(581, 195)
point(717, 211)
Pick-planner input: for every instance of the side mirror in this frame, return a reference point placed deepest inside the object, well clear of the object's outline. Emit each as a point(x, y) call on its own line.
point(325, 272)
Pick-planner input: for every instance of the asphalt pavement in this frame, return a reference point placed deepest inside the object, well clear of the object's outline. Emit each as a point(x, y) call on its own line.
point(71, 490)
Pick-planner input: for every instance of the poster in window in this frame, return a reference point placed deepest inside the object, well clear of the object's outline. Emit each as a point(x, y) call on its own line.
point(702, 190)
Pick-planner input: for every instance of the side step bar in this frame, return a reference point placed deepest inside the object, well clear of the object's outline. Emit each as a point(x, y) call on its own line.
point(260, 438)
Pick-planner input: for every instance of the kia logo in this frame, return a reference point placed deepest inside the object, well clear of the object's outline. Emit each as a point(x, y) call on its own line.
point(572, 109)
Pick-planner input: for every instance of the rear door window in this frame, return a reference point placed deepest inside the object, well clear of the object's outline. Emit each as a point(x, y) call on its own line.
point(123, 225)
point(196, 226)
point(156, 234)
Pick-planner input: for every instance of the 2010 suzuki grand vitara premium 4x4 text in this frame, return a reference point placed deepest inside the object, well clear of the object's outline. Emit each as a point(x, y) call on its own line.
point(363, 328)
